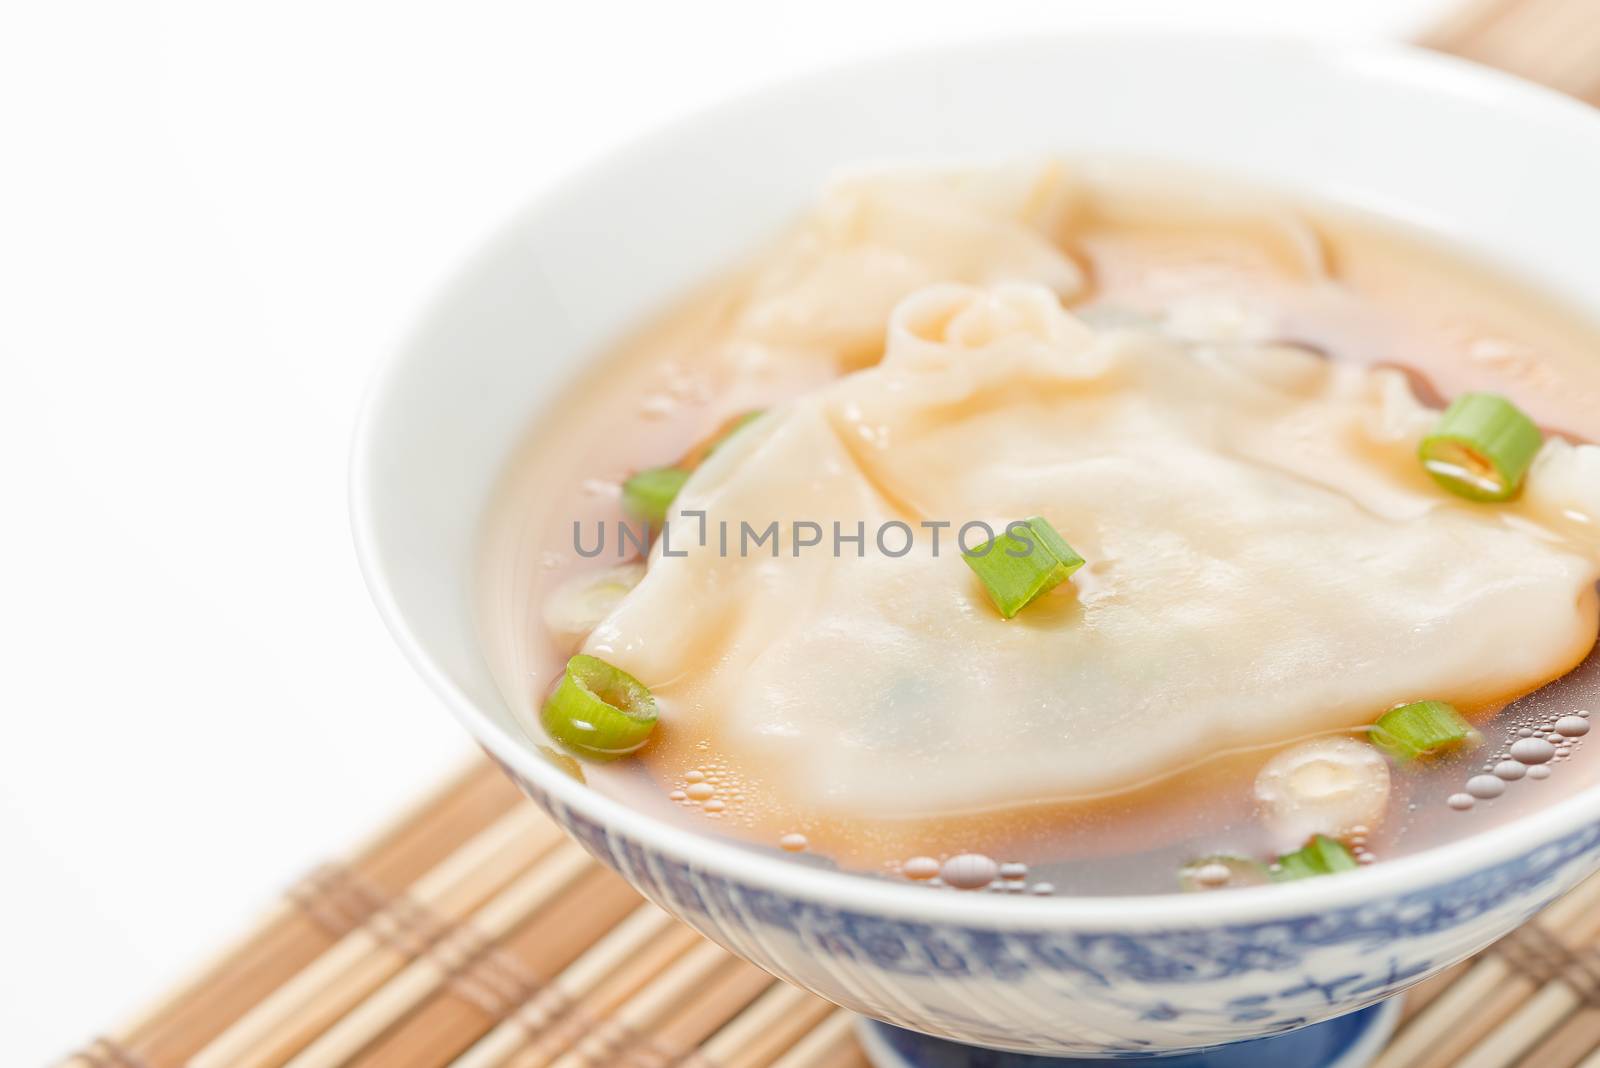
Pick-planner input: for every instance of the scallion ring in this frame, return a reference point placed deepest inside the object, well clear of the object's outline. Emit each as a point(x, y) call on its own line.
point(1481, 447)
point(599, 711)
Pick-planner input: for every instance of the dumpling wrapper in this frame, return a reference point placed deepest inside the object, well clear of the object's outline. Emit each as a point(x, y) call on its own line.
point(1266, 560)
point(823, 294)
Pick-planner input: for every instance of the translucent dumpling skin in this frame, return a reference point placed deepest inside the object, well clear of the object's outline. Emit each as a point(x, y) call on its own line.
point(1266, 559)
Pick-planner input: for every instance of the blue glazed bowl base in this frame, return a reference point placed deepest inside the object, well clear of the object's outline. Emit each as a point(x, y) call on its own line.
point(1351, 1041)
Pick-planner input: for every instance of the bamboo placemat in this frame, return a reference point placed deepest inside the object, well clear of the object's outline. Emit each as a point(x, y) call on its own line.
point(472, 934)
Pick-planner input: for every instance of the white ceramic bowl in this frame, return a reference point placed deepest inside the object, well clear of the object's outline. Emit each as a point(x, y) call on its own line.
point(1507, 170)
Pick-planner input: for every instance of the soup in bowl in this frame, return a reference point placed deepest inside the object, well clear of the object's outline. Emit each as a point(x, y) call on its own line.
point(1117, 577)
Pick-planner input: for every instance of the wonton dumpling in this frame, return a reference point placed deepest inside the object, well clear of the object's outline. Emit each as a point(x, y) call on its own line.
point(1265, 558)
point(879, 236)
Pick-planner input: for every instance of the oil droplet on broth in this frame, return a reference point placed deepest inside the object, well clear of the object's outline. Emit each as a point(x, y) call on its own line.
point(793, 843)
point(1532, 751)
point(1510, 770)
point(1486, 787)
point(920, 868)
point(1572, 726)
point(969, 871)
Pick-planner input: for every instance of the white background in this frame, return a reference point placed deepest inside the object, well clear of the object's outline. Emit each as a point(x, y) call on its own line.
point(214, 219)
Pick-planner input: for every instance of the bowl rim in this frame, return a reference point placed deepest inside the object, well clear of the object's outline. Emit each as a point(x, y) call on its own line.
point(1250, 906)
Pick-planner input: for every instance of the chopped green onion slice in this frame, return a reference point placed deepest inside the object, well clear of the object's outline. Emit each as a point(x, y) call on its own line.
point(1419, 729)
point(648, 495)
point(1320, 856)
point(1481, 447)
point(599, 711)
point(1241, 871)
point(1016, 570)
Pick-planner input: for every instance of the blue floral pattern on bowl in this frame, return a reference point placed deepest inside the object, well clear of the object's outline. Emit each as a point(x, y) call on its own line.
point(1103, 993)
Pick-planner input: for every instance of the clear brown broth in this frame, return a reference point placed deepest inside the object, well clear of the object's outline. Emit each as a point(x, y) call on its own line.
point(1401, 299)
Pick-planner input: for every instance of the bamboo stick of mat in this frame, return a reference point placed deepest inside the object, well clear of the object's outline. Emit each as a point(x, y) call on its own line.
point(580, 1020)
point(760, 1034)
point(467, 943)
point(638, 947)
point(1427, 992)
point(677, 1041)
point(1570, 1043)
point(299, 1010)
point(831, 1044)
point(319, 910)
point(1492, 990)
point(507, 975)
point(606, 973)
point(1572, 978)
point(646, 1010)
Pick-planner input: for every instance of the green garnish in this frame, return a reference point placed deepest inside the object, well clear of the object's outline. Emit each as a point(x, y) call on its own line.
point(1419, 729)
point(648, 496)
point(1481, 447)
point(1320, 856)
point(1015, 571)
point(599, 711)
